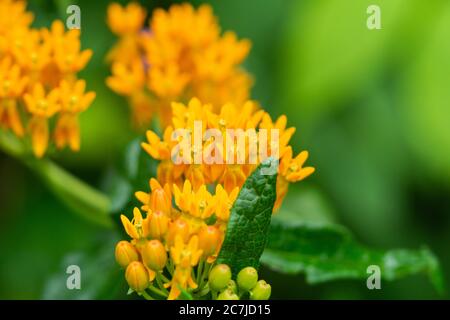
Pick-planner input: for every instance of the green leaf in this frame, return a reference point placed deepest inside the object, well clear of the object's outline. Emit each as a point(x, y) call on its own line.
point(326, 252)
point(248, 227)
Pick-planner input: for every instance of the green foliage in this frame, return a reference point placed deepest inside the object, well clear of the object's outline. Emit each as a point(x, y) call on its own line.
point(424, 96)
point(79, 196)
point(131, 174)
point(249, 222)
point(326, 252)
point(101, 277)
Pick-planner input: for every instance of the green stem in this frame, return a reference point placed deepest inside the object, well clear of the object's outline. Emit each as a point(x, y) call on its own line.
point(200, 270)
point(86, 201)
point(205, 274)
point(164, 278)
point(160, 282)
point(147, 296)
point(157, 291)
point(203, 292)
point(170, 267)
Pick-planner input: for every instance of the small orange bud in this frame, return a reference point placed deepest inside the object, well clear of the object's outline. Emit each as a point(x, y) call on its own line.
point(154, 255)
point(125, 253)
point(209, 240)
point(137, 276)
point(158, 224)
point(161, 198)
point(178, 227)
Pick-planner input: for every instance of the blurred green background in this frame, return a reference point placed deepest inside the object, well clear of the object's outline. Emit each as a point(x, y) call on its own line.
point(371, 106)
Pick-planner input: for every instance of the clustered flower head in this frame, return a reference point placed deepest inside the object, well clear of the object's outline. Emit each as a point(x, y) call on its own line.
point(182, 64)
point(38, 79)
point(168, 241)
point(184, 223)
point(179, 55)
point(209, 162)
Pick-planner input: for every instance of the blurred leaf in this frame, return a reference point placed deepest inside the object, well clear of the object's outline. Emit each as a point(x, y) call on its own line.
point(331, 53)
point(138, 166)
point(101, 278)
point(131, 174)
point(248, 227)
point(326, 252)
point(330, 57)
point(424, 100)
point(364, 168)
point(306, 203)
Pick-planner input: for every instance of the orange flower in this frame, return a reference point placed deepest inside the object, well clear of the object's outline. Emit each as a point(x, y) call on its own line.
point(41, 106)
point(198, 203)
point(73, 96)
point(66, 48)
point(126, 20)
point(137, 228)
point(127, 79)
point(159, 199)
point(292, 168)
point(12, 85)
point(184, 257)
point(224, 202)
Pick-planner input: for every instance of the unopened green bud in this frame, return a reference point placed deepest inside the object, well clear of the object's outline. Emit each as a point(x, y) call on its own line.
point(227, 294)
point(219, 277)
point(247, 278)
point(261, 291)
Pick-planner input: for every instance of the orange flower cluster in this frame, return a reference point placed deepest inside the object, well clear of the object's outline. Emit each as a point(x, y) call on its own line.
point(171, 239)
point(221, 171)
point(180, 54)
point(38, 79)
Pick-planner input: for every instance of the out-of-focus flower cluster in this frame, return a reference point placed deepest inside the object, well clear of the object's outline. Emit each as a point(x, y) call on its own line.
point(179, 55)
point(168, 242)
point(38, 79)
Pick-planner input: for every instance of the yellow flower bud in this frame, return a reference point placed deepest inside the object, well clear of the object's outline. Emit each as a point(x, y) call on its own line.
point(209, 240)
point(158, 224)
point(125, 253)
point(178, 227)
point(137, 276)
point(160, 201)
point(154, 255)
